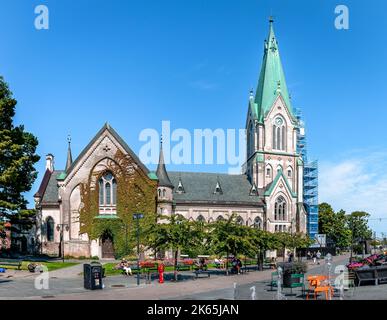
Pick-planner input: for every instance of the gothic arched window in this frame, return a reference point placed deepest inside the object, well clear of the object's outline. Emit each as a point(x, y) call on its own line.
point(220, 218)
point(107, 190)
point(290, 172)
point(258, 223)
point(279, 134)
point(200, 218)
point(239, 220)
point(50, 226)
point(280, 209)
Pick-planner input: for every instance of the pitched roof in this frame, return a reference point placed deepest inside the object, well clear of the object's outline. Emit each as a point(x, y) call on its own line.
point(50, 196)
point(43, 184)
point(199, 187)
point(161, 172)
point(272, 81)
point(69, 157)
point(120, 141)
point(270, 186)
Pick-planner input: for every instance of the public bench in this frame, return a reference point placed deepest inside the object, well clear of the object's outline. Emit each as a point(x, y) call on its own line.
point(201, 273)
point(150, 271)
point(11, 262)
point(249, 265)
point(183, 267)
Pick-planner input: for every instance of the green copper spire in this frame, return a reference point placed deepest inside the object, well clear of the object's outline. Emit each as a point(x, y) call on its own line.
point(271, 79)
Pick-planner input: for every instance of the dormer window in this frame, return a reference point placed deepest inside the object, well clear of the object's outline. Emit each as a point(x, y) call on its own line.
point(253, 190)
point(107, 194)
point(180, 187)
point(218, 189)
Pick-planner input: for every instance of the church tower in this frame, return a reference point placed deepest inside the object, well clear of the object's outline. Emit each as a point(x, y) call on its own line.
point(164, 187)
point(273, 163)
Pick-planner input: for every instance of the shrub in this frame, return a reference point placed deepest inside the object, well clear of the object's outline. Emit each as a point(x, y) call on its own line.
point(293, 267)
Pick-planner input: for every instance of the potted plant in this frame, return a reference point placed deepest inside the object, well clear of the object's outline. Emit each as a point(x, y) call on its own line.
point(289, 268)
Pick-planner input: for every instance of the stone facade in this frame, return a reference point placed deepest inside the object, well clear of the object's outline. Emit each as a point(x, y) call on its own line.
point(267, 195)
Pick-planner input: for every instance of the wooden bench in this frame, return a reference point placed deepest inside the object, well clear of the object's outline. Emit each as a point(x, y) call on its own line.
point(11, 262)
point(201, 272)
point(151, 271)
point(183, 267)
point(249, 265)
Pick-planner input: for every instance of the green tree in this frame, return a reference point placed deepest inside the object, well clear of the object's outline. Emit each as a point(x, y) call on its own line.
point(358, 224)
point(262, 241)
point(227, 236)
point(17, 160)
point(283, 240)
point(176, 233)
point(334, 225)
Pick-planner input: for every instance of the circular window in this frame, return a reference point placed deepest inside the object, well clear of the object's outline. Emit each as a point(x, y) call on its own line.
point(279, 121)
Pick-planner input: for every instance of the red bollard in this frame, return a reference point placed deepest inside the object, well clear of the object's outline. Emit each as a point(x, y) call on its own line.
point(160, 268)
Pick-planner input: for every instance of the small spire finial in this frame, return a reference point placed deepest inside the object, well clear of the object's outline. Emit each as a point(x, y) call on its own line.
point(161, 140)
point(271, 19)
point(69, 155)
point(251, 93)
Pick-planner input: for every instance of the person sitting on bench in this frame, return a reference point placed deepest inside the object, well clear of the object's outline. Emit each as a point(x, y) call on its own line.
point(124, 266)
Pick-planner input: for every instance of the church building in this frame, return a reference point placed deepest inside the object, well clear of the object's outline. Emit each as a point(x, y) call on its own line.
point(107, 181)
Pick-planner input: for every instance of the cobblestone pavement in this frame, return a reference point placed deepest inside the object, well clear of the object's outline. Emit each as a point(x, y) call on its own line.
point(68, 284)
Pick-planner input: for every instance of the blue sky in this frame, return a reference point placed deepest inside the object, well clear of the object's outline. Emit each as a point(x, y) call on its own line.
point(193, 62)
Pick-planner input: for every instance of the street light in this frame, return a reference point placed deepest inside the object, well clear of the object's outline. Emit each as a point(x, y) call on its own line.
point(137, 217)
point(125, 225)
point(60, 228)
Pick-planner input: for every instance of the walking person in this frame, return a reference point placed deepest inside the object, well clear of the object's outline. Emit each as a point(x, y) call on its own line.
point(308, 256)
point(314, 257)
point(318, 255)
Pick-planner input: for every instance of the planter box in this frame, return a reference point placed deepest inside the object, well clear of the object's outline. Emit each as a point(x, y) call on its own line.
point(381, 273)
point(366, 275)
point(288, 281)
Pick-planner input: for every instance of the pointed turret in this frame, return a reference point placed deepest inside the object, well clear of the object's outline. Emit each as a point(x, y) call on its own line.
point(161, 172)
point(69, 155)
point(272, 78)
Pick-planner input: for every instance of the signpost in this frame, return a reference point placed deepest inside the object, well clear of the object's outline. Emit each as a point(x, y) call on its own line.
point(321, 241)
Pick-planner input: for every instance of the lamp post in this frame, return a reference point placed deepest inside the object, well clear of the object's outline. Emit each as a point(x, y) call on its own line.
point(60, 228)
point(291, 234)
point(125, 225)
point(137, 217)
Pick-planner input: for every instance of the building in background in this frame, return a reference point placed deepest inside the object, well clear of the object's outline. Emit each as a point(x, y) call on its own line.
point(310, 178)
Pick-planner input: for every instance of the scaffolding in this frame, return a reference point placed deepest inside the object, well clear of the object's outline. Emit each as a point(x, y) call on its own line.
point(310, 192)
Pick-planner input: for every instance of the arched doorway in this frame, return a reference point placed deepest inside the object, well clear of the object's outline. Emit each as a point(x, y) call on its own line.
point(107, 245)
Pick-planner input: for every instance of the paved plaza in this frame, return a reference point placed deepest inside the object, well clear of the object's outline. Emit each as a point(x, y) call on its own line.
point(67, 284)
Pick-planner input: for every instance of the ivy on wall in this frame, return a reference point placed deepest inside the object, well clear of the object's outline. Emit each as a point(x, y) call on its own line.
point(136, 192)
